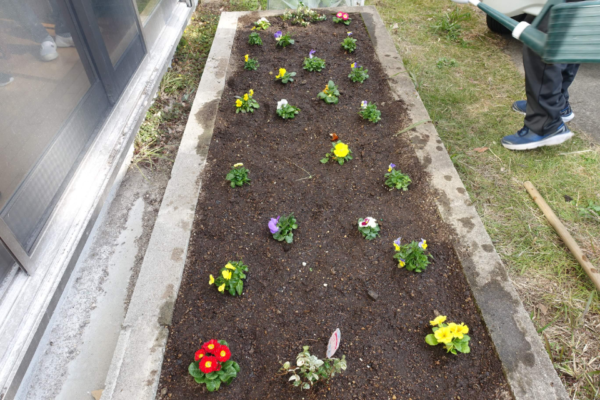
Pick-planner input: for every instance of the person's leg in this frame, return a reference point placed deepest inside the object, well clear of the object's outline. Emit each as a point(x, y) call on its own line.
point(568, 76)
point(28, 20)
point(545, 104)
point(545, 100)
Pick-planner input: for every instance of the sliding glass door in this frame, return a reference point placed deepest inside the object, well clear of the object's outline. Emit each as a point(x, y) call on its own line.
point(63, 64)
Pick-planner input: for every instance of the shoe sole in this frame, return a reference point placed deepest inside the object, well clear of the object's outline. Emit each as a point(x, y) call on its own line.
point(553, 141)
point(2, 84)
point(567, 118)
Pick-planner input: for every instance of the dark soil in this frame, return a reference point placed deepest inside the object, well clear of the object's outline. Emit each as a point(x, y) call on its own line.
point(285, 304)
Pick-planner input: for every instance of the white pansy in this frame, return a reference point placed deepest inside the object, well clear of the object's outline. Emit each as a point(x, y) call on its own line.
point(281, 103)
point(263, 19)
point(369, 222)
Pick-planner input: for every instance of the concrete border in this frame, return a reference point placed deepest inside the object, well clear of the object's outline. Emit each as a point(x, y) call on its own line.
point(527, 366)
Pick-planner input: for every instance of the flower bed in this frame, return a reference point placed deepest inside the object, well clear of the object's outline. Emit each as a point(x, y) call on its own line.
point(297, 294)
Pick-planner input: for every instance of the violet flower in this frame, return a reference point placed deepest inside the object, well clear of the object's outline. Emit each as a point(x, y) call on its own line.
point(273, 225)
point(310, 54)
point(398, 241)
point(392, 165)
point(364, 104)
point(349, 33)
point(278, 35)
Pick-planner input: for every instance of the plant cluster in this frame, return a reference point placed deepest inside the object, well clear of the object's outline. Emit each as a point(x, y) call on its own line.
point(446, 62)
point(330, 94)
point(411, 255)
point(246, 103)
point(453, 336)
point(285, 76)
point(231, 278)
point(238, 175)
point(342, 17)
point(349, 44)
point(254, 39)
point(369, 112)
point(368, 227)
point(339, 152)
point(310, 369)
point(395, 179)
point(286, 110)
point(312, 63)
point(212, 365)
point(358, 73)
point(283, 40)
point(303, 15)
point(262, 24)
point(282, 228)
point(250, 63)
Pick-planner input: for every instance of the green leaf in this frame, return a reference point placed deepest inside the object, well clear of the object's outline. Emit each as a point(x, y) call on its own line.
point(213, 385)
point(236, 366)
point(324, 160)
point(224, 343)
point(240, 287)
point(200, 380)
point(195, 371)
point(229, 363)
point(431, 340)
point(212, 376)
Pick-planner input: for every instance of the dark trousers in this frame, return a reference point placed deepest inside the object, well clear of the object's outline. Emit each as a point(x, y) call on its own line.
point(27, 18)
point(547, 88)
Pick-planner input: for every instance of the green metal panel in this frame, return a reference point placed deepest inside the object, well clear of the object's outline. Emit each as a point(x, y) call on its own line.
point(573, 34)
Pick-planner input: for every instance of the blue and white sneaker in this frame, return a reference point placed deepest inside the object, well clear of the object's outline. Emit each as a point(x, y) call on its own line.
point(566, 114)
point(526, 139)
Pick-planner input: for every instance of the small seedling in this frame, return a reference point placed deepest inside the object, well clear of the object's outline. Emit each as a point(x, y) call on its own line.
point(330, 94)
point(283, 40)
point(250, 63)
point(396, 180)
point(369, 112)
point(411, 255)
point(349, 44)
point(238, 176)
point(358, 73)
point(312, 63)
point(285, 110)
point(285, 76)
point(254, 39)
point(339, 152)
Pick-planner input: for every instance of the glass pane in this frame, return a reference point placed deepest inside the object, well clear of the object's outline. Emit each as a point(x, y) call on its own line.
point(117, 24)
point(6, 262)
point(42, 80)
point(145, 8)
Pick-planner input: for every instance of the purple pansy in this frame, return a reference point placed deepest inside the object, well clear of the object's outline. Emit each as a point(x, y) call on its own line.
point(398, 241)
point(364, 104)
point(392, 165)
point(278, 35)
point(349, 33)
point(310, 54)
point(273, 225)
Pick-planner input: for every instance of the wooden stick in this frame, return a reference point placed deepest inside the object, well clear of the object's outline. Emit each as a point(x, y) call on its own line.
point(593, 273)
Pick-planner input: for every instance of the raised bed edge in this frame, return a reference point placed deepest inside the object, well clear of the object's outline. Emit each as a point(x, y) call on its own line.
point(132, 376)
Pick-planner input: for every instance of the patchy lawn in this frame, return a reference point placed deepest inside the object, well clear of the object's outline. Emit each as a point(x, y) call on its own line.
point(468, 84)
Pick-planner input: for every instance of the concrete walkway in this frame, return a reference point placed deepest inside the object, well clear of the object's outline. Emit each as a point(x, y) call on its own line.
point(75, 353)
point(584, 92)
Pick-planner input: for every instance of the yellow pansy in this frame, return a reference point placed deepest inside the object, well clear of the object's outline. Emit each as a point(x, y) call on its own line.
point(235, 166)
point(438, 320)
point(459, 330)
point(444, 335)
point(352, 65)
point(211, 280)
point(222, 288)
point(251, 92)
point(401, 263)
point(253, 28)
point(341, 150)
point(282, 72)
point(246, 58)
point(246, 97)
point(229, 266)
point(396, 247)
point(226, 274)
point(238, 103)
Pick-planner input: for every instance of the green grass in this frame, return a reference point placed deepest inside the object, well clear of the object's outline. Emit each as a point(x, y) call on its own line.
point(468, 84)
